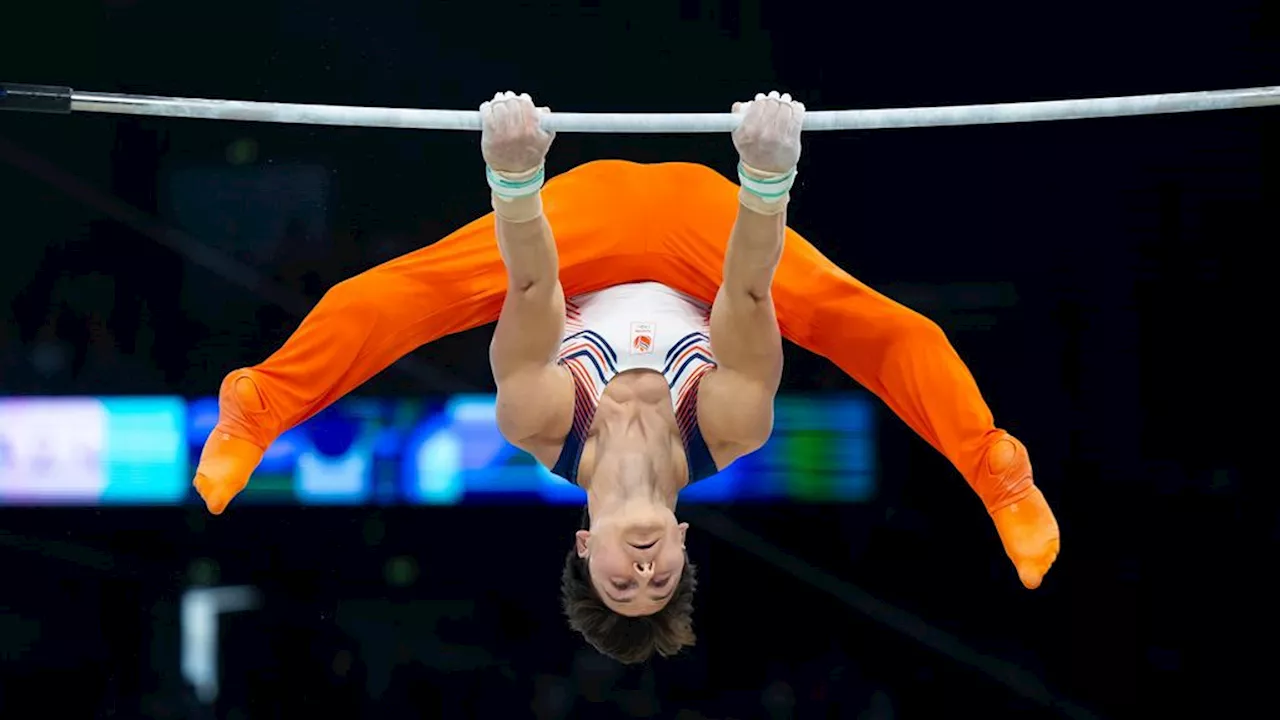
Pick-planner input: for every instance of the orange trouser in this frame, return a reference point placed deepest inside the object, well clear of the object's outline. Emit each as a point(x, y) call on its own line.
point(617, 222)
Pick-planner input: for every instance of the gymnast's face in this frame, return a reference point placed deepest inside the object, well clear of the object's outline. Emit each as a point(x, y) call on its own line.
point(635, 559)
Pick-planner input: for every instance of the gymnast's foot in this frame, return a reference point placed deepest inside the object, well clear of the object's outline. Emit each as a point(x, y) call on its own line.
point(1027, 527)
point(228, 460)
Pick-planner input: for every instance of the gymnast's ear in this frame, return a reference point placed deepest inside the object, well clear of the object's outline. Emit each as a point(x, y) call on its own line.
point(580, 542)
point(684, 528)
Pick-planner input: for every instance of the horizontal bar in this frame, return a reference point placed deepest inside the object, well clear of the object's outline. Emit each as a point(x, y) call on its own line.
point(35, 98)
point(668, 122)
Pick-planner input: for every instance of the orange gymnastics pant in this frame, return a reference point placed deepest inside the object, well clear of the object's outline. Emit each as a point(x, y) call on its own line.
point(614, 222)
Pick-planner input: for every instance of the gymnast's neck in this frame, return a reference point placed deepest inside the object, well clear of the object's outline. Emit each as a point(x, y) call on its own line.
point(634, 460)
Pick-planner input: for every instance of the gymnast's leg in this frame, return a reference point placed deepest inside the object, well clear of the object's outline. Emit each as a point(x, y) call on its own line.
point(894, 352)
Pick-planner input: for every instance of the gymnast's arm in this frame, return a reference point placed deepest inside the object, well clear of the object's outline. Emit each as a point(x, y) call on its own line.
point(535, 394)
point(735, 401)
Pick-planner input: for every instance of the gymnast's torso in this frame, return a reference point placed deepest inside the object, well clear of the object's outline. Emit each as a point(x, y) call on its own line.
point(658, 340)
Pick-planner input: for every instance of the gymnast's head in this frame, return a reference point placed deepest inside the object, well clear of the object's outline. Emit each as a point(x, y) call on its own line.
point(628, 585)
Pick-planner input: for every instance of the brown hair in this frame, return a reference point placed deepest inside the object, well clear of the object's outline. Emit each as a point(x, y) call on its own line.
point(628, 640)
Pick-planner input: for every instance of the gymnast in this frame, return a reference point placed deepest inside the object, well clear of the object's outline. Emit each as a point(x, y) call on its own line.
point(636, 350)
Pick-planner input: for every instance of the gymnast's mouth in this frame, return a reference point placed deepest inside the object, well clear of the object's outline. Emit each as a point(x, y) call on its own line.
point(643, 547)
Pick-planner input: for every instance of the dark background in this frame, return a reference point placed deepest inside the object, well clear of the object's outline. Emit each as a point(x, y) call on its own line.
point(1106, 280)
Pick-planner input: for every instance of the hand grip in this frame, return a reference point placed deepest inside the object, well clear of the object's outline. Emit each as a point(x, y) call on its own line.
point(35, 98)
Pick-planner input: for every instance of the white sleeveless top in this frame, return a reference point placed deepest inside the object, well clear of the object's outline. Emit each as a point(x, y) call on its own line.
point(636, 326)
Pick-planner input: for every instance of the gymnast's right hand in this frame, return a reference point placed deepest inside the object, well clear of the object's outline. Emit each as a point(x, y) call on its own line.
point(513, 140)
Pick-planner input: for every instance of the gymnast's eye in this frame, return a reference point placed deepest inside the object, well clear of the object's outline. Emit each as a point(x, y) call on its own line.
point(622, 585)
point(661, 582)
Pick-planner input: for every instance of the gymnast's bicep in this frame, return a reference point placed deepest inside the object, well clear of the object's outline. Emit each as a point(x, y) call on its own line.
point(535, 409)
point(735, 414)
point(735, 401)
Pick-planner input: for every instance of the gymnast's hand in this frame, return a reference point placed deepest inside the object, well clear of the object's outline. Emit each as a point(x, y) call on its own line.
point(768, 139)
point(513, 140)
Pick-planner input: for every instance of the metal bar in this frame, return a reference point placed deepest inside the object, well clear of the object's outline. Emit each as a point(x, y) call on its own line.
point(38, 98)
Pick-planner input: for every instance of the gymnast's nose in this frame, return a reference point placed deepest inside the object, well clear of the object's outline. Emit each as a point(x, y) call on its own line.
point(645, 569)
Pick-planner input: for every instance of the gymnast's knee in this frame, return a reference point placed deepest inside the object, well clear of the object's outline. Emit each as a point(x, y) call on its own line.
point(890, 328)
point(362, 300)
point(909, 330)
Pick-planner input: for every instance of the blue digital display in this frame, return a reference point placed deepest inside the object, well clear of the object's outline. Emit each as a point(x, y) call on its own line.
point(362, 451)
point(90, 451)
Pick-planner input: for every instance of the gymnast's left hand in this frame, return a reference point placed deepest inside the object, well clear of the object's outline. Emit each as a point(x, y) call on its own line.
point(768, 139)
point(512, 139)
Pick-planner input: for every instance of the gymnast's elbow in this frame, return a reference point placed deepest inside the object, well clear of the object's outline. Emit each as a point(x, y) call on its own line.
point(748, 276)
point(528, 286)
point(748, 287)
point(535, 276)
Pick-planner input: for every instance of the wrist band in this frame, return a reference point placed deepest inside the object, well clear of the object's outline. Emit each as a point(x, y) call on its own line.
point(523, 209)
point(514, 185)
point(769, 187)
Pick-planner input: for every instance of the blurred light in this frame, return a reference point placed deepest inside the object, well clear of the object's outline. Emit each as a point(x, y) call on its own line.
point(242, 152)
point(201, 609)
point(363, 451)
point(204, 571)
point(87, 450)
point(438, 468)
point(145, 454)
point(374, 531)
point(322, 480)
point(401, 571)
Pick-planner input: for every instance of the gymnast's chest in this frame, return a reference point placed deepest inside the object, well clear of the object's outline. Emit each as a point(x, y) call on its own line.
point(633, 326)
